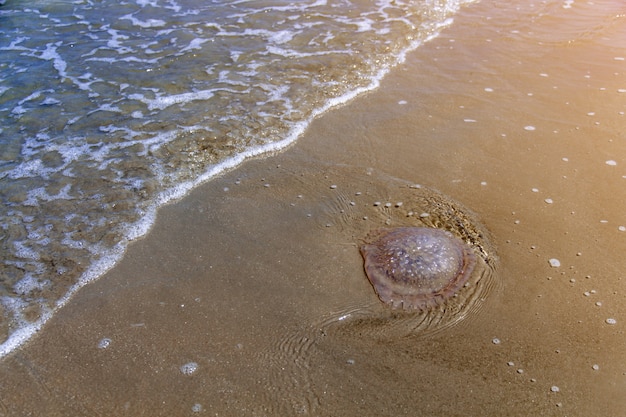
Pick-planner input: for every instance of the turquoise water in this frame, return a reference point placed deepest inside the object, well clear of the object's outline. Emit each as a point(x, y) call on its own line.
point(112, 109)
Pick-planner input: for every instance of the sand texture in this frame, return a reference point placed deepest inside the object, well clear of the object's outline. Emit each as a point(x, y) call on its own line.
point(249, 296)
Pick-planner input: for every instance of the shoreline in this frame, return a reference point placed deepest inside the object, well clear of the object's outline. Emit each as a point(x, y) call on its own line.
point(141, 228)
point(240, 275)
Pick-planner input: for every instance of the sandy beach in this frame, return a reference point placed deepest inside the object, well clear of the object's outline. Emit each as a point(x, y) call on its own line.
point(248, 296)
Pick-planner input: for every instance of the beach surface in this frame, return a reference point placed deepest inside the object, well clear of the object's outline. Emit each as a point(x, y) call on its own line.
point(248, 296)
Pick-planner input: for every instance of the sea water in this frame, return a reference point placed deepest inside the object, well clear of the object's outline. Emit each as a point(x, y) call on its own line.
point(111, 109)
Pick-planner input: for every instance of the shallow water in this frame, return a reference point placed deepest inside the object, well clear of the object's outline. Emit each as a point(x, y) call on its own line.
point(249, 296)
point(112, 109)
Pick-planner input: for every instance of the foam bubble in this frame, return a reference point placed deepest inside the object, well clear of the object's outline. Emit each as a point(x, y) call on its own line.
point(104, 343)
point(554, 263)
point(189, 368)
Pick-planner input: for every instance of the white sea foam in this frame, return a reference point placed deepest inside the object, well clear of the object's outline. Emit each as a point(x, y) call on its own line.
point(150, 23)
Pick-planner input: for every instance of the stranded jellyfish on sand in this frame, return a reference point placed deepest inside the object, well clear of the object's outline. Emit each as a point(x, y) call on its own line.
point(416, 267)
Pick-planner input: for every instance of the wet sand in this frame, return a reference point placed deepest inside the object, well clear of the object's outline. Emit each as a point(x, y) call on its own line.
point(256, 283)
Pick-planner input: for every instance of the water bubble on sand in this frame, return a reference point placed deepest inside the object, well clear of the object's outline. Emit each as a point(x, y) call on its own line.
point(529, 128)
point(549, 201)
point(554, 388)
point(104, 343)
point(611, 321)
point(554, 263)
point(196, 408)
point(189, 368)
point(611, 162)
point(402, 102)
point(350, 361)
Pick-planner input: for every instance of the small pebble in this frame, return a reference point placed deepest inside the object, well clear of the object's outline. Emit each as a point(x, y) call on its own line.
point(611, 162)
point(595, 367)
point(332, 187)
point(554, 263)
point(387, 205)
point(520, 371)
point(376, 203)
point(510, 363)
point(554, 388)
point(350, 361)
point(196, 408)
point(495, 341)
point(529, 128)
point(611, 321)
point(549, 201)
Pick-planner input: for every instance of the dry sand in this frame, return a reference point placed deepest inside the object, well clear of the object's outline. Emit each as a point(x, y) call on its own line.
point(254, 280)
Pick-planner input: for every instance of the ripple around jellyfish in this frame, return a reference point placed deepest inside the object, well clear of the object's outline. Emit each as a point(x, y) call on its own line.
point(416, 267)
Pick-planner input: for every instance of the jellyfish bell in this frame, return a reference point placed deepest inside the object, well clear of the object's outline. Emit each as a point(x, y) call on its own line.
point(416, 267)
